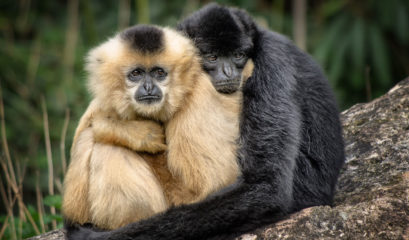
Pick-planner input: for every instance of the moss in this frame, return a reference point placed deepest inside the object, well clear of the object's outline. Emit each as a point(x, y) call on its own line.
point(359, 121)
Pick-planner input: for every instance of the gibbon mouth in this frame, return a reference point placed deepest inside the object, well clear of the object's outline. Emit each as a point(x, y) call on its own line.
point(226, 88)
point(149, 98)
point(224, 83)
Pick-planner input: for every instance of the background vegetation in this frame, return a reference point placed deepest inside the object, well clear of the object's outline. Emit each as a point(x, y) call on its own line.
point(362, 45)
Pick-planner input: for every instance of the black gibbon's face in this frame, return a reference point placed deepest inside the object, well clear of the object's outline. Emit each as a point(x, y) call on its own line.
point(225, 40)
point(225, 70)
point(147, 84)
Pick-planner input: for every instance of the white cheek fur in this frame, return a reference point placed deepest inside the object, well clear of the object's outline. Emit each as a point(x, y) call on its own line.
point(131, 92)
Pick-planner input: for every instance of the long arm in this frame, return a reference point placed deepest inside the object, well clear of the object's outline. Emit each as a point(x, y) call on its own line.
point(76, 187)
point(247, 206)
point(137, 135)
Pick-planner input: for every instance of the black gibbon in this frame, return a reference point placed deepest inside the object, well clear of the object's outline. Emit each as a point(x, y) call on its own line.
point(291, 147)
point(117, 174)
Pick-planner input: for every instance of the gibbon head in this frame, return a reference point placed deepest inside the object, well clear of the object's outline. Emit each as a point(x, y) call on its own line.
point(225, 39)
point(143, 71)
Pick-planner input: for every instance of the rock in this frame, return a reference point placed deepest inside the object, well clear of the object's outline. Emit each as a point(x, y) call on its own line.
point(58, 234)
point(372, 199)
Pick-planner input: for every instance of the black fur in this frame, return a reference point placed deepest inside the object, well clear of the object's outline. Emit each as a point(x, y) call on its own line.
point(291, 143)
point(219, 33)
point(144, 38)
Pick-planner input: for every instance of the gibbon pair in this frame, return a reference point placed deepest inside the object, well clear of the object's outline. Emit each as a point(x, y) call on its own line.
point(123, 167)
point(290, 149)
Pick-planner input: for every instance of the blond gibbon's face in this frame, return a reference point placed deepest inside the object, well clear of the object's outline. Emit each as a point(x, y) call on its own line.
point(144, 71)
point(147, 86)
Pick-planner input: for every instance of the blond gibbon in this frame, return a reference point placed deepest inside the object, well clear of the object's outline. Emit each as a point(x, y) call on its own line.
point(143, 80)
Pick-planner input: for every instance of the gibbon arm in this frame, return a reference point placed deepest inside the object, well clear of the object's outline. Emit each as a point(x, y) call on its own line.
point(138, 135)
point(76, 185)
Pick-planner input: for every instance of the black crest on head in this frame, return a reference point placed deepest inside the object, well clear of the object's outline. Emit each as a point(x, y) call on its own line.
point(144, 38)
point(219, 29)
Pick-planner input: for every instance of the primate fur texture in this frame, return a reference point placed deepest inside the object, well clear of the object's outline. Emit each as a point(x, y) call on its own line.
point(117, 174)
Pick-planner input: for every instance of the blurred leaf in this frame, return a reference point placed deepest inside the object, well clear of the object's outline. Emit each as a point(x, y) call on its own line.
point(47, 218)
point(337, 61)
point(329, 8)
point(326, 46)
point(387, 12)
point(357, 79)
point(402, 24)
point(89, 21)
point(380, 56)
point(31, 209)
point(53, 201)
point(57, 217)
point(358, 45)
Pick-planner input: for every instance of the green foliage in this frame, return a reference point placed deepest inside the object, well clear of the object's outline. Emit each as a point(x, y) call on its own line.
point(24, 227)
point(358, 44)
point(53, 201)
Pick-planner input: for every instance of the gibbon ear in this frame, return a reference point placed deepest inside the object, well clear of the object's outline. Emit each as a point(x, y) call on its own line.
point(111, 51)
point(95, 58)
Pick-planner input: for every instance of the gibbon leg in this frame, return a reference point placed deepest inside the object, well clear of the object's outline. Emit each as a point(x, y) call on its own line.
point(130, 189)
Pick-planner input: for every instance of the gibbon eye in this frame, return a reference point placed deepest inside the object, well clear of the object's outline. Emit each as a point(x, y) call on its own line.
point(211, 57)
point(239, 55)
point(159, 73)
point(136, 74)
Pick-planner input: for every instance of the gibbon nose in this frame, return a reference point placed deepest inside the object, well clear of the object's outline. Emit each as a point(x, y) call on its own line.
point(227, 69)
point(148, 86)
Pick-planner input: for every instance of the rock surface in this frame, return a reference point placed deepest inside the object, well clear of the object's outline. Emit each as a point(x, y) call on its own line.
point(372, 200)
point(58, 234)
